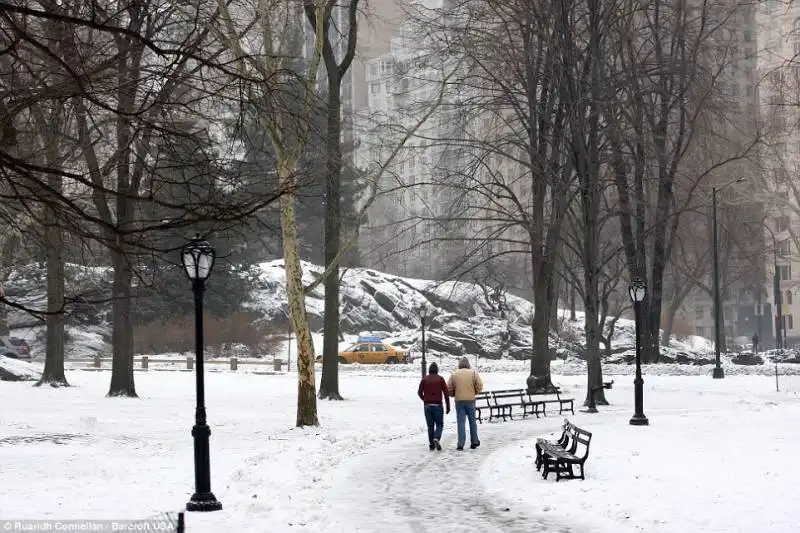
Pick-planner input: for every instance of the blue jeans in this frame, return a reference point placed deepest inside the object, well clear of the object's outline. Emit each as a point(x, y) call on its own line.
point(434, 417)
point(466, 410)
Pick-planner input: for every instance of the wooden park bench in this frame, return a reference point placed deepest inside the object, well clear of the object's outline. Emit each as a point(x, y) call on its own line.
point(559, 456)
point(483, 402)
point(501, 403)
point(538, 407)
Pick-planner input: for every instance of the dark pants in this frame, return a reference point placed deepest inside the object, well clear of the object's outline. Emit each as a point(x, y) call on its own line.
point(434, 417)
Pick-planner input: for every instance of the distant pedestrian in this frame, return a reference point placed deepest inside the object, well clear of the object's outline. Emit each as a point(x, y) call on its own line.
point(755, 342)
point(464, 385)
point(432, 389)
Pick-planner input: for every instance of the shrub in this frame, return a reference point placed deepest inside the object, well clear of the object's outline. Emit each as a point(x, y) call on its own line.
point(220, 334)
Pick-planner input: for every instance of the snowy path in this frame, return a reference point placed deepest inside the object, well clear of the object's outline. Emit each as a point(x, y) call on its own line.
point(406, 488)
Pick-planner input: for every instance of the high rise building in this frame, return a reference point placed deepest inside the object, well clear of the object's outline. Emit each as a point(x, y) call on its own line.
point(779, 72)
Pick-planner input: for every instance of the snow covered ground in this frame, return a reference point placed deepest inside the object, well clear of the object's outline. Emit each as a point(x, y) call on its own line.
point(718, 456)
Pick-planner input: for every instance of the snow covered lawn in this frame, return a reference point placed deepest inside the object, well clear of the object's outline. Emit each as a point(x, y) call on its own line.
point(721, 459)
point(718, 456)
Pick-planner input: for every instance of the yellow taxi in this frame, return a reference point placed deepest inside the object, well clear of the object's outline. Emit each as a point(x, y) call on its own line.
point(372, 350)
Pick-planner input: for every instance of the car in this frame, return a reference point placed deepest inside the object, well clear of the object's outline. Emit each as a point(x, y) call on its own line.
point(372, 350)
point(15, 348)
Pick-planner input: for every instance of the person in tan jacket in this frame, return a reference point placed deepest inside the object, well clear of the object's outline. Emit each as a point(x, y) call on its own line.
point(464, 384)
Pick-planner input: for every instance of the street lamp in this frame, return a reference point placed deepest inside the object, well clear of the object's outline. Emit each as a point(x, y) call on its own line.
point(718, 373)
point(198, 260)
point(778, 305)
point(423, 314)
point(637, 291)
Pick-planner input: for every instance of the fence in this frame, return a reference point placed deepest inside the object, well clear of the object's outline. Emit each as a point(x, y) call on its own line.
point(143, 362)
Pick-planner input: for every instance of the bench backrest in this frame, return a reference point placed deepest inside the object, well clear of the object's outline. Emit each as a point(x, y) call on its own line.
point(500, 395)
point(578, 437)
point(545, 392)
point(483, 399)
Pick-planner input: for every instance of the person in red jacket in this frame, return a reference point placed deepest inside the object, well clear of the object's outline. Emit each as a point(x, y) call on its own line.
point(432, 389)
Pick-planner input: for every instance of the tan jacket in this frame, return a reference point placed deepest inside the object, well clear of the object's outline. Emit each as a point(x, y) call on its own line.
point(464, 384)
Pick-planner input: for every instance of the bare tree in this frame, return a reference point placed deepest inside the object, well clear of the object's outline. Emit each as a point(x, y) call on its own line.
point(335, 70)
point(273, 26)
point(688, 266)
point(671, 61)
point(508, 175)
point(96, 93)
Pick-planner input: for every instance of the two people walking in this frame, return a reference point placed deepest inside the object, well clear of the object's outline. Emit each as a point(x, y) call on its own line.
point(464, 384)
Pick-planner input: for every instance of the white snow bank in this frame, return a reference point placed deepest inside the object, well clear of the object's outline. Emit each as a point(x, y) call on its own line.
point(23, 370)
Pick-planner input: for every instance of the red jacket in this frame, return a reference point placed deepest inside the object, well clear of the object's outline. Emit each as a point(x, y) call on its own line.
point(432, 389)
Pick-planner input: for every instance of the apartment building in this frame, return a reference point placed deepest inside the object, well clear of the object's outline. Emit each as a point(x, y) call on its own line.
point(779, 71)
point(739, 205)
point(403, 234)
point(427, 220)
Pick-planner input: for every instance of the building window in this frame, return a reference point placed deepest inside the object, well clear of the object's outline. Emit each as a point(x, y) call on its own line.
point(788, 322)
point(375, 88)
point(785, 272)
point(699, 311)
point(781, 223)
point(747, 36)
point(787, 298)
point(785, 248)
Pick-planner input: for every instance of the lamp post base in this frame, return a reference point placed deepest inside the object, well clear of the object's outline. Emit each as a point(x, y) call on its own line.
point(639, 420)
point(203, 502)
point(718, 373)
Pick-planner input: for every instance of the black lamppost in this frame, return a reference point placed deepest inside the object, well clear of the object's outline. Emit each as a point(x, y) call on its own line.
point(198, 260)
point(779, 325)
point(423, 314)
point(637, 291)
point(717, 373)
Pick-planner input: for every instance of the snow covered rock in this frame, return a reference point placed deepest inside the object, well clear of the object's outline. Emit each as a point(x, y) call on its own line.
point(16, 370)
point(460, 320)
point(747, 358)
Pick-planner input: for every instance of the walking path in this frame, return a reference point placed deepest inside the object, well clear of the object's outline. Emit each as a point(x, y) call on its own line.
point(405, 488)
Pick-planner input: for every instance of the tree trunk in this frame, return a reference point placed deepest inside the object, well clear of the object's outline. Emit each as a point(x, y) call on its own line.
point(122, 382)
point(560, 286)
point(652, 324)
point(5, 330)
point(573, 294)
point(666, 335)
point(8, 140)
point(540, 361)
point(50, 130)
point(593, 362)
point(329, 382)
point(53, 373)
point(554, 318)
point(306, 384)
